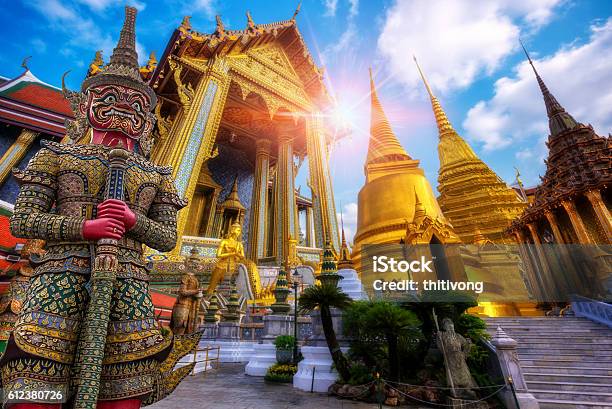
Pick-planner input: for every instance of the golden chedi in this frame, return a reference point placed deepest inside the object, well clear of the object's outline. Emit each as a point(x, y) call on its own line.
point(394, 185)
point(472, 196)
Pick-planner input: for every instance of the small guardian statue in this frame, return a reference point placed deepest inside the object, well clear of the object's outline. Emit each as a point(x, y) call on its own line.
point(456, 349)
point(187, 306)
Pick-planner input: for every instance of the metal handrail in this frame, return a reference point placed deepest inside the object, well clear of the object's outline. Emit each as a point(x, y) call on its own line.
point(593, 310)
point(207, 359)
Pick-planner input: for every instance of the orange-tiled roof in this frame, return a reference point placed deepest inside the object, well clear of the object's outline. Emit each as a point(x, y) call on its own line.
point(39, 95)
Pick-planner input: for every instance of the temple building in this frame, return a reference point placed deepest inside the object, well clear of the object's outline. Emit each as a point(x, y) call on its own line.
point(480, 206)
point(396, 204)
point(239, 112)
point(30, 110)
point(473, 197)
point(570, 206)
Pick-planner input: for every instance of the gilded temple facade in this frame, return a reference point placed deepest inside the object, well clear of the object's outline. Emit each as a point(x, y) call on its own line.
point(239, 112)
point(570, 206)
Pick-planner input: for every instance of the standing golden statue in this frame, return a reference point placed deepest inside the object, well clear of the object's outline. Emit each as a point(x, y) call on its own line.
point(185, 310)
point(229, 253)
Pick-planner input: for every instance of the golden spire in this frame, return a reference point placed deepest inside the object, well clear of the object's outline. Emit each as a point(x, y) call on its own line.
point(444, 125)
point(419, 209)
point(344, 261)
point(383, 146)
point(452, 147)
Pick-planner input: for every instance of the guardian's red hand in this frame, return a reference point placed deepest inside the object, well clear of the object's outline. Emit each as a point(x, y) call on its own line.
point(119, 210)
point(103, 228)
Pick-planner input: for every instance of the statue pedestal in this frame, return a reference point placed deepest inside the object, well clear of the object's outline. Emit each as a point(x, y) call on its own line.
point(315, 371)
point(209, 330)
point(275, 325)
point(264, 356)
point(351, 284)
point(232, 349)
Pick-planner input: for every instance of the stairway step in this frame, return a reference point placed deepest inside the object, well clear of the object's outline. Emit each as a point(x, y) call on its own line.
point(572, 395)
point(565, 356)
point(567, 370)
point(567, 404)
point(545, 377)
point(568, 386)
point(567, 363)
point(585, 350)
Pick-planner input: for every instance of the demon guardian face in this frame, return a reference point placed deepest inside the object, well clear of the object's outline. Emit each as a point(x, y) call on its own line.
point(121, 109)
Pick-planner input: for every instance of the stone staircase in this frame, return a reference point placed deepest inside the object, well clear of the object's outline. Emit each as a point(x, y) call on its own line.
point(567, 362)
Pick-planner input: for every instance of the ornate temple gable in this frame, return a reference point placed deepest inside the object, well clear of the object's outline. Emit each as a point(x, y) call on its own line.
point(284, 35)
point(253, 75)
point(275, 59)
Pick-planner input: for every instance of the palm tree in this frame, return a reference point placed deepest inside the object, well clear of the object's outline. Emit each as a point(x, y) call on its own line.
point(324, 297)
point(394, 323)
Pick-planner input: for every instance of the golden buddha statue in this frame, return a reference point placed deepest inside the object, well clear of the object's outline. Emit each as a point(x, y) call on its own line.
point(229, 253)
point(187, 306)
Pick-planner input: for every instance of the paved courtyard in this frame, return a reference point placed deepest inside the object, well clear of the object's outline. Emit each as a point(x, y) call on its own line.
point(229, 388)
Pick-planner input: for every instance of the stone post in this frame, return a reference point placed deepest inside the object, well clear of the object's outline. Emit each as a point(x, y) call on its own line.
point(511, 368)
point(577, 223)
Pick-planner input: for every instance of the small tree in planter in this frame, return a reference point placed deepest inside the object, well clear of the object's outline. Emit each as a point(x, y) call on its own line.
point(284, 348)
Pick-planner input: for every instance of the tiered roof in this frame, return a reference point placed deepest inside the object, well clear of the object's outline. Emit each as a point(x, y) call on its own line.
point(28, 102)
point(578, 160)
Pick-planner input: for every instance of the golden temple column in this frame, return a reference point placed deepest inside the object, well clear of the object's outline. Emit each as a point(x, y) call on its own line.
point(15, 153)
point(259, 203)
point(309, 227)
point(197, 135)
point(602, 212)
point(325, 219)
point(577, 224)
point(286, 223)
point(550, 286)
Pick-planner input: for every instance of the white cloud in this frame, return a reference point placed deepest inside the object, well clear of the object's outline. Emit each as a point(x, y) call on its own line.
point(579, 76)
point(82, 32)
point(330, 7)
point(39, 45)
point(455, 40)
point(349, 214)
point(101, 5)
point(354, 8)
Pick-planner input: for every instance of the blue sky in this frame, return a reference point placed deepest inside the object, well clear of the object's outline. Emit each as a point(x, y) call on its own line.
point(468, 48)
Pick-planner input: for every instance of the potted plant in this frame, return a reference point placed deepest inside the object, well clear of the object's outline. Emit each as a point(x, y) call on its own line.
point(284, 348)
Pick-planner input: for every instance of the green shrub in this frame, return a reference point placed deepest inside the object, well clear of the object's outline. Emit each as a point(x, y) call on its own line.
point(472, 327)
point(360, 374)
point(284, 342)
point(282, 373)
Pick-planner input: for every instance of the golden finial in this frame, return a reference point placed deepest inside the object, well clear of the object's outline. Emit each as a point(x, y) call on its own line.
point(96, 64)
point(220, 27)
point(250, 22)
point(431, 95)
point(444, 125)
point(519, 182)
point(297, 10)
point(186, 24)
point(24, 63)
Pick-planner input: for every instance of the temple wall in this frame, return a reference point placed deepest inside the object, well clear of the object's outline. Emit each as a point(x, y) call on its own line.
point(224, 168)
